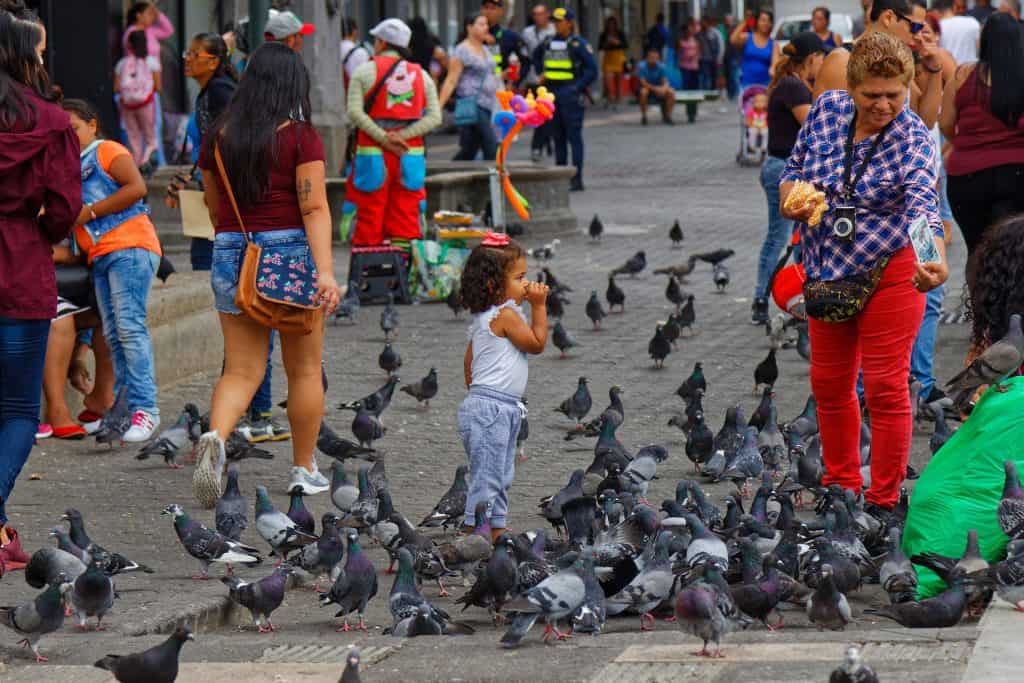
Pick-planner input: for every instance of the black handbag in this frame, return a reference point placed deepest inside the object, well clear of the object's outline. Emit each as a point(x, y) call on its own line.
point(74, 283)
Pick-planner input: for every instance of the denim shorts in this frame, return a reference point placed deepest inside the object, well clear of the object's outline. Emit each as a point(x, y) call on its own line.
point(228, 251)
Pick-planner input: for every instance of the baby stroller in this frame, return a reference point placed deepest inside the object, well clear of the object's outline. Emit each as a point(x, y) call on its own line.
point(750, 155)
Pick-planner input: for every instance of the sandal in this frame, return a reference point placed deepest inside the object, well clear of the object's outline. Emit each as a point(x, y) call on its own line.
point(70, 433)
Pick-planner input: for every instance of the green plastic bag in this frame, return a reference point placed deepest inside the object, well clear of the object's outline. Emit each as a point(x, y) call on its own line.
point(962, 485)
point(435, 269)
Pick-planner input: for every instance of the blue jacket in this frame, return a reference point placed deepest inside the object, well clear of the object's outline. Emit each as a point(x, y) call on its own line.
point(98, 185)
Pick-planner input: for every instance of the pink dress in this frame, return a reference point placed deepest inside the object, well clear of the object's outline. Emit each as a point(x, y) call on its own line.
point(688, 58)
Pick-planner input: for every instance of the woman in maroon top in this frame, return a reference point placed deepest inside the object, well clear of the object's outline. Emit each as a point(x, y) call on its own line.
point(983, 116)
point(275, 163)
point(40, 198)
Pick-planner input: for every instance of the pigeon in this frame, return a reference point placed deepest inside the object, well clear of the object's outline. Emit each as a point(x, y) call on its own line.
point(696, 381)
point(578, 405)
point(91, 594)
point(405, 601)
point(615, 296)
point(355, 586)
point(276, 528)
point(463, 554)
point(554, 598)
point(827, 606)
point(853, 669)
point(806, 423)
point(551, 506)
point(642, 470)
point(298, 513)
point(705, 609)
point(553, 283)
point(596, 228)
point(562, 340)
point(759, 418)
point(748, 463)
point(675, 233)
point(1010, 511)
point(348, 307)
point(609, 448)
point(759, 593)
point(636, 263)
point(48, 563)
point(720, 276)
point(803, 342)
point(454, 299)
point(364, 511)
point(591, 615)
point(659, 347)
point(35, 619)
point(237, 448)
point(261, 597)
point(230, 514)
point(729, 438)
point(351, 672)
point(173, 440)
point(450, 510)
point(942, 611)
point(389, 359)
point(424, 390)
point(1008, 576)
point(992, 366)
point(324, 557)
point(209, 546)
point(678, 271)
point(671, 329)
point(897, 575)
point(704, 544)
point(343, 492)
point(116, 421)
point(942, 433)
point(377, 402)
point(687, 315)
point(158, 664)
point(594, 310)
point(974, 567)
point(330, 444)
point(495, 580)
point(771, 442)
point(546, 252)
point(649, 587)
point(673, 293)
point(367, 427)
point(699, 443)
point(614, 413)
point(715, 257)
point(555, 305)
point(389, 318)
point(767, 372)
point(115, 562)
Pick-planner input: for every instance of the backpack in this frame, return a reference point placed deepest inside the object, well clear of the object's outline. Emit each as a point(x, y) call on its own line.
point(136, 83)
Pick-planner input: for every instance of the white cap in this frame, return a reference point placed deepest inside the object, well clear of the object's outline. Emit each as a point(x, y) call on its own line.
point(393, 31)
point(280, 25)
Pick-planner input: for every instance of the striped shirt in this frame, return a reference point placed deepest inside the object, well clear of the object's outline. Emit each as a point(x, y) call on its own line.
point(896, 189)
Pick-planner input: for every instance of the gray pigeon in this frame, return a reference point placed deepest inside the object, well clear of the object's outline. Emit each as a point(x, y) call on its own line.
point(366, 427)
point(209, 546)
point(363, 513)
point(176, 439)
point(115, 563)
point(389, 318)
point(276, 528)
point(1010, 512)
point(636, 263)
point(261, 597)
point(561, 338)
point(47, 563)
point(747, 463)
point(578, 405)
point(450, 510)
point(424, 390)
point(659, 347)
point(591, 615)
point(554, 598)
point(324, 557)
point(348, 307)
point(827, 606)
point(351, 672)
point(158, 664)
point(853, 669)
point(942, 433)
point(116, 421)
point(897, 575)
point(343, 492)
point(389, 359)
point(355, 586)
point(92, 594)
point(995, 364)
point(705, 609)
point(230, 513)
point(594, 310)
point(642, 470)
point(704, 545)
point(410, 612)
point(35, 619)
point(649, 587)
point(596, 228)
point(333, 446)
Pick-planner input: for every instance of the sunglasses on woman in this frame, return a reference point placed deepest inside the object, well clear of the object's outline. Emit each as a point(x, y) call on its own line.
point(915, 26)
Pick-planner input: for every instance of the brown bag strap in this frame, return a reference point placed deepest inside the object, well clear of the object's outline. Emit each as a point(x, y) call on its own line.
point(227, 188)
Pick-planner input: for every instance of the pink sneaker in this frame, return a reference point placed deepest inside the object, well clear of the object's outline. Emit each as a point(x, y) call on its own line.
point(143, 426)
point(44, 431)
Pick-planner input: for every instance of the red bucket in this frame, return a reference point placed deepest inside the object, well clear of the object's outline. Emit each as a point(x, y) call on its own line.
point(788, 290)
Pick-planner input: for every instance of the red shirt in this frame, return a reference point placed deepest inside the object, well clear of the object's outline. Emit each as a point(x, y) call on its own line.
point(297, 144)
point(981, 141)
point(40, 170)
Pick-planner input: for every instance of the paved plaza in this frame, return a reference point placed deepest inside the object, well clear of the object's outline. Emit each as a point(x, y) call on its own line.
point(638, 179)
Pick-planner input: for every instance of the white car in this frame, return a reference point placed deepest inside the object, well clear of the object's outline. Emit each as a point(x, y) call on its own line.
point(788, 26)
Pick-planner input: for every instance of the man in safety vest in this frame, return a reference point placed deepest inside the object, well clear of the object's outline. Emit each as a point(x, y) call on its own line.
point(504, 43)
point(567, 67)
point(393, 103)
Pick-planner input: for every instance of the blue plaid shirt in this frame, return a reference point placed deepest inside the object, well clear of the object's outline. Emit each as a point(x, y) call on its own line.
point(897, 187)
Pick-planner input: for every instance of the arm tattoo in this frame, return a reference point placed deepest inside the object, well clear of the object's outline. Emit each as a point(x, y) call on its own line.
point(305, 189)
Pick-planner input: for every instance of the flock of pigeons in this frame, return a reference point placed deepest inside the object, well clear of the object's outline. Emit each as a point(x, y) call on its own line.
point(609, 552)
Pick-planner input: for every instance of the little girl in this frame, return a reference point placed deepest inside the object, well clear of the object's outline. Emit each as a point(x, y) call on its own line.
point(494, 286)
point(137, 80)
point(757, 124)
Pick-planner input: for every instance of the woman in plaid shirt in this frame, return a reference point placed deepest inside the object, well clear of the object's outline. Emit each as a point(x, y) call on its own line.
point(890, 184)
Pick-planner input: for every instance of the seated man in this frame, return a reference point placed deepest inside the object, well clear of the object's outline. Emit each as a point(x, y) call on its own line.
point(654, 85)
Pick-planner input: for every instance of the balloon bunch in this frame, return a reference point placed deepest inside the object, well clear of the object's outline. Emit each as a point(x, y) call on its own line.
point(515, 112)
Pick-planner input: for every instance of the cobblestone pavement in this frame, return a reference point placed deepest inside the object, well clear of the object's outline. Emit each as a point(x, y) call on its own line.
point(638, 181)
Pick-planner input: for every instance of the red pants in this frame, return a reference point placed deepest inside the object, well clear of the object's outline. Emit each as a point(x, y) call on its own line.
point(386, 193)
point(879, 340)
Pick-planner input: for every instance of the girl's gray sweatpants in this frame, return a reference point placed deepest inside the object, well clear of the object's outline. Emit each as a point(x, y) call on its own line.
point(488, 426)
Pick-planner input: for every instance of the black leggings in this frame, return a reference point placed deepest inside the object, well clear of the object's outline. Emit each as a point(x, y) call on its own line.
point(985, 197)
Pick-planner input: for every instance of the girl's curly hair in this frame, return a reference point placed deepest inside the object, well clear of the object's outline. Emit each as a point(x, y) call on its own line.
point(483, 277)
point(996, 282)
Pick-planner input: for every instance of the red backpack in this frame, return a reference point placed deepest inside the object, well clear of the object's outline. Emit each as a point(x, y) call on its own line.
point(136, 83)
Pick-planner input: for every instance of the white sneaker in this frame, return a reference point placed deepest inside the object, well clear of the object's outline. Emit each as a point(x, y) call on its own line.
point(209, 467)
point(143, 426)
point(308, 482)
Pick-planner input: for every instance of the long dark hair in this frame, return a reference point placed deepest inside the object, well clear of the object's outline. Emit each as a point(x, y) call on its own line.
point(421, 43)
point(20, 66)
point(1001, 64)
point(215, 45)
point(467, 21)
point(134, 11)
point(137, 43)
point(85, 111)
point(996, 281)
point(273, 90)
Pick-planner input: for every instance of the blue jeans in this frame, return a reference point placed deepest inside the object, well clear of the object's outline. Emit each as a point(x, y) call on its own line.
point(477, 137)
point(708, 75)
point(261, 400)
point(924, 346)
point(201, 254)
point(123, 279)
point(22, 353)
point(780, 230)
point(488, 423)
